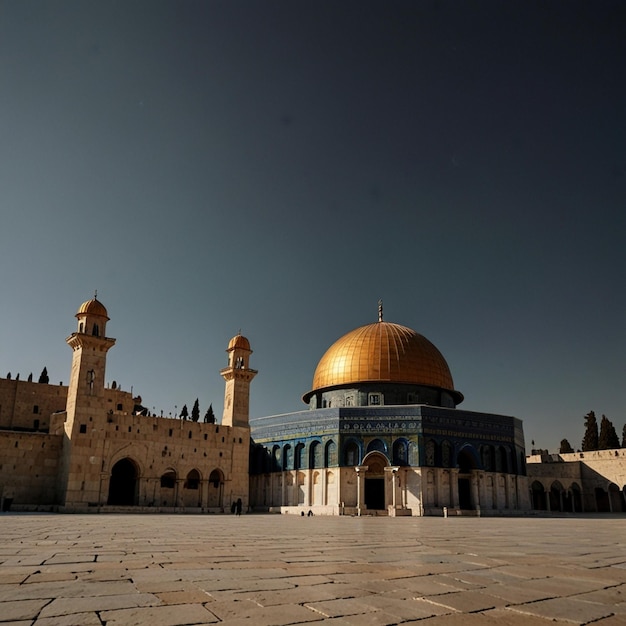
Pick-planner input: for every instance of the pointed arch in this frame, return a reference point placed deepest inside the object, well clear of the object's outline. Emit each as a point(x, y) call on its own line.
point(216, 489)
point(374, 488)
point(124, 483)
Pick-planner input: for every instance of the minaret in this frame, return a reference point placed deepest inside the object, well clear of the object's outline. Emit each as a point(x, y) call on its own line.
point(90, 346)
point(80, 473)
point(238, 376)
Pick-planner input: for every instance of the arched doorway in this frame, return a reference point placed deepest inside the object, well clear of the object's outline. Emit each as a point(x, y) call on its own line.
point(167, 491)
point(556, 496)
point(123, 483)
point(538, 496)
point(616, 502)
point(467, 463)
point(216, 489)
point(191, 489)
point(375, 481)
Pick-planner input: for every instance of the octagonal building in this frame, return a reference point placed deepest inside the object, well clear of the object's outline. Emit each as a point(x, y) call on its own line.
point(383, 436)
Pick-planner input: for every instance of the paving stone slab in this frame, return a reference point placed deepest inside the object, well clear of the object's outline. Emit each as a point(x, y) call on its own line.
point(495, 617)
point(67, 606)
point(68, 589)
point(566, 609)
point(182, 615)
point(304, 595)
point(467, 601)
point(270, 616)
point(21, 609)
point(187, 596)
point(76, 619)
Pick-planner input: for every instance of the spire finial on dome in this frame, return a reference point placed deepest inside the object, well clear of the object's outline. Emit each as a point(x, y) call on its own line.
point(380, 310)
point(95, 294)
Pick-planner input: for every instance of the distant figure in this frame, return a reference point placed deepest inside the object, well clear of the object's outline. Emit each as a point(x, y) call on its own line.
point(239, 506)
point(233, 507)
point(310, 513)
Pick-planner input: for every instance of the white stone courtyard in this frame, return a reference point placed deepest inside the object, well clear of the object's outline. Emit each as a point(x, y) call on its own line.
point(174, 570)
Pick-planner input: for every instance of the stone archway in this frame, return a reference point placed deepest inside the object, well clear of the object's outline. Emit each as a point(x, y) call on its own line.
point(216, 489)
point(374, 496)
point(123, 483)
point(467, 463)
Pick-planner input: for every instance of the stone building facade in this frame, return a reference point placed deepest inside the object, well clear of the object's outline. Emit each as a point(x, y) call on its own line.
point(589, 482)
point(84, 447)
point(383, 436)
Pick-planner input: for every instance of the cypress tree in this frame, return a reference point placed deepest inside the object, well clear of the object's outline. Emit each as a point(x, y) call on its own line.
point(184, 413)
point(590, 440)
point(209, 416)
point(608, 437)
point(195, 411)
point(43, 377)
point(565, 447)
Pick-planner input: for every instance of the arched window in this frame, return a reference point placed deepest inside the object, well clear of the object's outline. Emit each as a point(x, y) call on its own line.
point(446, 454)
point(287, 457)
point(351, 454)
point(502, 460)
point(276, 458)
point(487, 456)
point(400, 452)
point(315, 455)
point(330, 454)
point(467, 460)
point(377, 445)
point(431, 453)
point(299, 456)
point(193, 480)
point(168, 480)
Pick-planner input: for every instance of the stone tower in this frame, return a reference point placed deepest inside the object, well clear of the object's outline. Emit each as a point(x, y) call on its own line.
point(238, 376)
point(85, 409)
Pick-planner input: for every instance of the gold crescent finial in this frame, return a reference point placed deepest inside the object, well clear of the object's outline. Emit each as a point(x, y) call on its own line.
point(380, 310)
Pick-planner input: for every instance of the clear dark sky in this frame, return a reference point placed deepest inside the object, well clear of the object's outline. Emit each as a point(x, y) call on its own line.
point(277, 167)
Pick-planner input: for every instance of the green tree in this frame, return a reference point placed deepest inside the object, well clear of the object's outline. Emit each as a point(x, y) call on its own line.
point(209, 416)
point(590, 439)
point(43, 377)
point(624, 436)
point(195, 411)
point(30, 377)
point(608, 439)
point(565, 448)
point(184, 413)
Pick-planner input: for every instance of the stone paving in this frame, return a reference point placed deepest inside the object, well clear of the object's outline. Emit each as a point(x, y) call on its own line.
point(270, 570)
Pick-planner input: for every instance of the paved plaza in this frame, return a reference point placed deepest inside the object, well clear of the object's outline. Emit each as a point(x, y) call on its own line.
point(170, 570)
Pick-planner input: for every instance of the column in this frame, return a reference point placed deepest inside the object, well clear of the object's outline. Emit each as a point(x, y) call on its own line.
point(475, 490)
point(283, 483)
point(454, 485)
point(360, 472)
point(394, 475)
point(204, 493)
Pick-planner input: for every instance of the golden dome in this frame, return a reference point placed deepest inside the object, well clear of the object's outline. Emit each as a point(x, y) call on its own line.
point(93, 307)
point(239, 341)
point(382, 352)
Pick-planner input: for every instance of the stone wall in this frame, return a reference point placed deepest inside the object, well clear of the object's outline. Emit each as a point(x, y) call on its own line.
point(28, 471)
point(592, 481)
point(28, 406)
